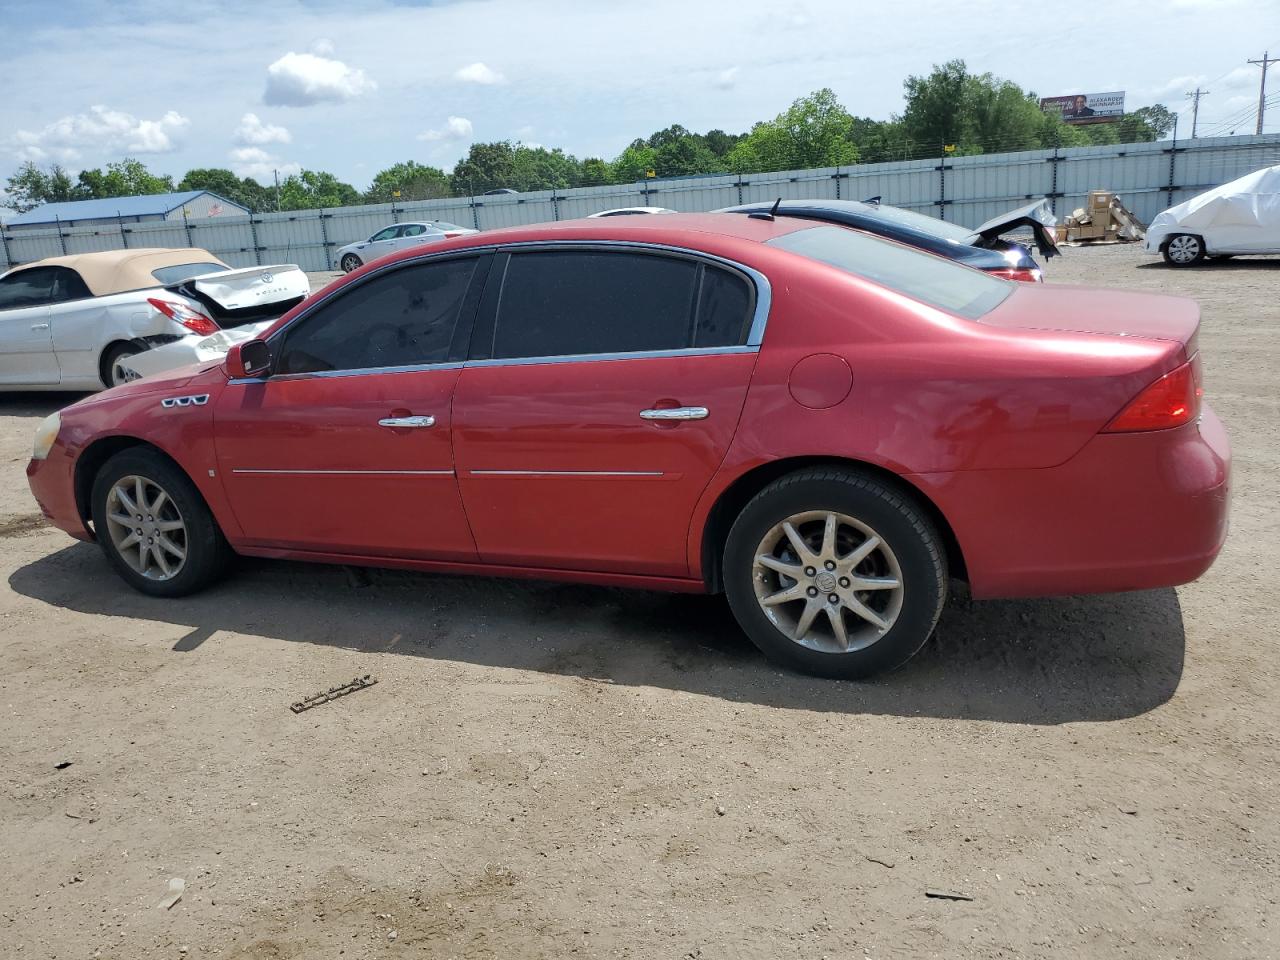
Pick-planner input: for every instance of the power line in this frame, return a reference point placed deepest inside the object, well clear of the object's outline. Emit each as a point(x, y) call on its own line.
point(1262, 88)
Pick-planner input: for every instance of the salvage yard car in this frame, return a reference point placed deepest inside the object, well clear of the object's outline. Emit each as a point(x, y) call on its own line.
point(825, 425)
point(76, 322)
point(982, 248)
point(1236, 219)
point(397, 236)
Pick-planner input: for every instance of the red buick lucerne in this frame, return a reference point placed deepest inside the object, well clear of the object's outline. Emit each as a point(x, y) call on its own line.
point(824, 424)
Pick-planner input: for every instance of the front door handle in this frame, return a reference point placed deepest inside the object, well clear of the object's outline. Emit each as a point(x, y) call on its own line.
point(675, 413)
point(411, 422)
point(39, 326)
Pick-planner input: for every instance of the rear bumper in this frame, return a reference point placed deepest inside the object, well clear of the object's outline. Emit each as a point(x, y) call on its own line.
point(52, 483)
point(1128, 512)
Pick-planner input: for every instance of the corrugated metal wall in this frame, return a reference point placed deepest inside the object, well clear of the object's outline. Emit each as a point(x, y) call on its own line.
point(966, 190)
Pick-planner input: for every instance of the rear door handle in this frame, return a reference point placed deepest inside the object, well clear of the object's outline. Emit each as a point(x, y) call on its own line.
point(411, 422)
point(675, 413)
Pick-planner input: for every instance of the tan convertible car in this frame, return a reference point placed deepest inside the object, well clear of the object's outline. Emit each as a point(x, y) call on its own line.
point(72, 323)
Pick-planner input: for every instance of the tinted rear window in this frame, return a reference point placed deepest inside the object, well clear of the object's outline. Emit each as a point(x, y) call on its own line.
point(934, 280)
point(184, 271)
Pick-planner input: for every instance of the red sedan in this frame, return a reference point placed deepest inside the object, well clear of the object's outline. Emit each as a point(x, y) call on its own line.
point(823, 424)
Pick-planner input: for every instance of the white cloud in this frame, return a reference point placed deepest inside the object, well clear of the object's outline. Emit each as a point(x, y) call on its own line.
point(479, 73)
point(323, 47)
point(726, 79)
point(455, 128)
point(262, 166)
point(102, 129)
point(254, 131)
point(303, 79)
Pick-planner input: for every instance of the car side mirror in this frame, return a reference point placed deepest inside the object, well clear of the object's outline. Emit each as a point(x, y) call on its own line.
point(249, 359)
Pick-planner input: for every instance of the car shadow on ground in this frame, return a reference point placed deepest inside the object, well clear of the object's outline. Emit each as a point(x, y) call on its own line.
point(36, 403)
point(1031, 661)
point(1235, 264)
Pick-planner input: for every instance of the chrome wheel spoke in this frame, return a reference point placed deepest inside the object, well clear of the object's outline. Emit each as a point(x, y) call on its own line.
point(797, 542)
point(836, 616)
point(158, 502)
point(786, 595)
point(121, 518)
point(125, 500)
point(829, 528)
point(168, 526)
point(861, 552)
point(792, 570)
point(875, 583)
point(857, 607)
point(171, 547)
point(128, 541)
point(161, 560)
point(806, 619)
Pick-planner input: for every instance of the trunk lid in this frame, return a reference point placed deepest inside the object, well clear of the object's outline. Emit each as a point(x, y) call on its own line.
point(1113, 313)
point(234, 297)
point(1037, 216)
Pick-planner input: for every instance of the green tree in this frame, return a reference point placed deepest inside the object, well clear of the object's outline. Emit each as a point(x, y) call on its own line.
point(314, 189)
point(487, 166)
point(1146, 124)
point(32, 187)
point(596, 172)
point(415, 181)
point(635, 162)
point(719, 142)
point(537, 168)
point(247, 192)
point(814, 131)
point(124, 178)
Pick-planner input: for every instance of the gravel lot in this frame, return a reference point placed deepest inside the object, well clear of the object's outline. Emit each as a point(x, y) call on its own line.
point(550, 771)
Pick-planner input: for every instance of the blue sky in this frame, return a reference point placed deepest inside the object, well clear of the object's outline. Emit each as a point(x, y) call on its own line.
point(353, 87)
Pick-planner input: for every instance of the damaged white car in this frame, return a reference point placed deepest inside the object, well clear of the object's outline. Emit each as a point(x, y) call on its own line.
point(85, 321)
point(1236, 219)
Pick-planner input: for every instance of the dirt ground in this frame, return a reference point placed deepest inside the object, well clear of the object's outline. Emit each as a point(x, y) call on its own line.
point(564, 771)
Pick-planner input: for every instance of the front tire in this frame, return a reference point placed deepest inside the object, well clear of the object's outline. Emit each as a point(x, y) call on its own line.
point(154, 526)
point(834, 573)
point(350, 262)
point(1183, 250)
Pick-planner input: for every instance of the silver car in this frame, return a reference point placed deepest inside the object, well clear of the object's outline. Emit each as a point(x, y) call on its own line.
point(397, 236)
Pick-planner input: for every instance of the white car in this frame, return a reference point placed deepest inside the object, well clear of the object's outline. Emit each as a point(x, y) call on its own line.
point(629, 211)
point(1237, 218)
point(75, 322)
point(397, 236)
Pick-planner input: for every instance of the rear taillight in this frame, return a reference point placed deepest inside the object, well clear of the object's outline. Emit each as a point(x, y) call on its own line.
point(1024, 274)
point(1171, 401)
point(188, 316)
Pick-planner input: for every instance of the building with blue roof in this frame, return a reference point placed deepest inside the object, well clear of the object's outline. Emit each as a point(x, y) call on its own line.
point(114, 210)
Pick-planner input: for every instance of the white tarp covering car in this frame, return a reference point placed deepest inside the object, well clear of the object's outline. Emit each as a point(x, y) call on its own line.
point(1238, 218)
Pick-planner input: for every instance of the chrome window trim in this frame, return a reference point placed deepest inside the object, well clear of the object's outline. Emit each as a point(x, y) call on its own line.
point(632, 355)
point(322, 374)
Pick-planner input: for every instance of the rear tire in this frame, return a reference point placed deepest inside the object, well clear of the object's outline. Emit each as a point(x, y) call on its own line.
point(856, 531)
point(1183, 250)
point(109, 367)
point(154, 526)
point(350, 262)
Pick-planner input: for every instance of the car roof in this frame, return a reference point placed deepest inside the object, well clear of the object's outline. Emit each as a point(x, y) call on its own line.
point(116, 271)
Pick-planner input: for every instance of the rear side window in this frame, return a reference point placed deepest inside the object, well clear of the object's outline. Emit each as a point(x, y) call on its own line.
point(936, 281)
point(399, 319)
point(27, 288)
point(68, 285)
point(185, 271)
point(590, 302)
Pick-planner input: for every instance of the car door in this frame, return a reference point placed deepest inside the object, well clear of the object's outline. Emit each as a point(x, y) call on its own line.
point(346, 447)
point(382, 243)
point(78, 324)
point(413, 234)
point(604, 389)
point(26, 343)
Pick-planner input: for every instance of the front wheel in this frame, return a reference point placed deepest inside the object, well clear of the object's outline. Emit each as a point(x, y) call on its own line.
point(350, 262)
point(835, 573)
point(1183, 250)
point(154, 526)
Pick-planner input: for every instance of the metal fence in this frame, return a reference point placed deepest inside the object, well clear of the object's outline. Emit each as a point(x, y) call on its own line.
point(967, 190)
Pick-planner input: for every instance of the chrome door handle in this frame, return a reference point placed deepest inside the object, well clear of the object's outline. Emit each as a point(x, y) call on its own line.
point(39, 326)
point(676, 413)
point(407, 422)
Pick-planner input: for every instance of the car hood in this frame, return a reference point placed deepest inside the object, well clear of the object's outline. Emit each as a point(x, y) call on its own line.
point(1038, 216)
point(189, 377)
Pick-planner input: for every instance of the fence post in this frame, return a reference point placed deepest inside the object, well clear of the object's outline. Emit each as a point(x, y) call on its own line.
point(942, 184)
point(124, 240)
point(739, 186)
point(186, 226)
point(475, 216)
point(1173, 156)
point(4, 245)
point(324, 235)
point(1053, 188)
point(62, 241)
point(253, 232)
point(555, 204)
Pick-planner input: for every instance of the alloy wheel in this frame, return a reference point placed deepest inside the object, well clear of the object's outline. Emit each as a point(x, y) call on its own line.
point(828, 581)
point(146, 528)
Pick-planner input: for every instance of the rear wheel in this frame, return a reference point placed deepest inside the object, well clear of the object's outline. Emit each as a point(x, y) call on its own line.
point(834, 573)
point(1183, 250)
point(114, 369)
point(154, 526)
point(350, 262)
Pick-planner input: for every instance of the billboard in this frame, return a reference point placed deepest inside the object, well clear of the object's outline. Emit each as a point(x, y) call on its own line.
point(1086, 107)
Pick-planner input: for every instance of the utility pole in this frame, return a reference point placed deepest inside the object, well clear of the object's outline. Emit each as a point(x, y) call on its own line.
point(1262, 90)
point(276, 174)
point(1195, 108)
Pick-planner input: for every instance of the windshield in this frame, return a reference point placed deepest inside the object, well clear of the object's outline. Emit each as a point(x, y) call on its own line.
point(925, 224)
point(184, 271)
point(934, 280)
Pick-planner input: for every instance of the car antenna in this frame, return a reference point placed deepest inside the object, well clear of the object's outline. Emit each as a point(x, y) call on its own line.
point(773, 211)
point(874, 201)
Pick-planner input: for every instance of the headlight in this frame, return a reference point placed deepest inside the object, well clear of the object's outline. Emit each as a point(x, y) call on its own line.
point(46, 434)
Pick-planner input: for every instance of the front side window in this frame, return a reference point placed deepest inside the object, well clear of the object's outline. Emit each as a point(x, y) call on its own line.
point(588, 302)
point(27, 288)
point(934, 280)
point(388, 234)
point(398, 319)
point(414, 230)
point(68, 286)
